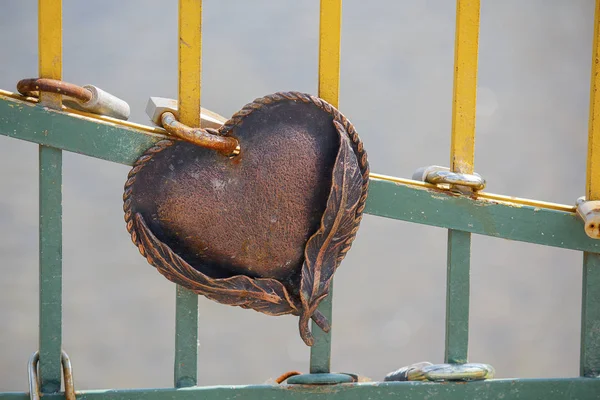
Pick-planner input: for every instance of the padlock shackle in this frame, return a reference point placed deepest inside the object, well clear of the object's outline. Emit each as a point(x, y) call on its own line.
point(226, 145)
point(27, 86)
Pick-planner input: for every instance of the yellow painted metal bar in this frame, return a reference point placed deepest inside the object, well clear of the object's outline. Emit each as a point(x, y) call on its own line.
point(462, 157)
point(330, 30)
point(590, 307)
point(593, 155)
point(462, 145)
point(189, 85)
point(190, 61)
point(50, 46)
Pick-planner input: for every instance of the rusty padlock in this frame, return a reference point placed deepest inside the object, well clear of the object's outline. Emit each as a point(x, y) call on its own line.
point(87, 98)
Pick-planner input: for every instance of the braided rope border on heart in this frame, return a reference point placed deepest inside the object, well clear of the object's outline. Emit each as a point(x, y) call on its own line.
point(265, 295)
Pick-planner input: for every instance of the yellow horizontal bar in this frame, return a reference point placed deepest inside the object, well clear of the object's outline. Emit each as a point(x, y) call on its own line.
point(330, 31)
point(593, 155)
point(50, 47)
point(462, 153)
point(190, 61)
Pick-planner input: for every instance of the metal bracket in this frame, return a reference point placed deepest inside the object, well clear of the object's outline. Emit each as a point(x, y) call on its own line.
point(438, 175)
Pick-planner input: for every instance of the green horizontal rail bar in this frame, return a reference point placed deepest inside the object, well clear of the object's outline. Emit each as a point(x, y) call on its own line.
point(116, 143)
point(112, 142)
point(531, 389)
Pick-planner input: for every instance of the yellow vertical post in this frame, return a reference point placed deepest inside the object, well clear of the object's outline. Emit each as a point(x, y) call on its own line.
point(590, 310)
point(50, 206)
point(50, 46)
point(462, 145)
point(190, 61)
point(189, 74)
point(462, 157)
point(330, 27)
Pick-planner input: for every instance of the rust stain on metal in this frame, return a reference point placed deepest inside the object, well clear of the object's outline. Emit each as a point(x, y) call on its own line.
point(287, 375)
point(29, 87)
point(207, 138)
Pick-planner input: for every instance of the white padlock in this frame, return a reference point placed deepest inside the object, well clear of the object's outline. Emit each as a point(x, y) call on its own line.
point(104, 103)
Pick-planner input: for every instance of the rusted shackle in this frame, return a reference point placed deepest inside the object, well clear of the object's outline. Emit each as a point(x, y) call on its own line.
point(163, 112)
point(85, 98)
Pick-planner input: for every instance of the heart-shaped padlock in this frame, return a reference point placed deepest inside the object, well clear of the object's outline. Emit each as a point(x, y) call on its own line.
point(265, 229)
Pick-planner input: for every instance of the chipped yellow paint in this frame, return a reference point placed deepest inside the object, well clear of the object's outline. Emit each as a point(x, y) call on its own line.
point(330, 28)
point(593, 155)
point(50, 47)
point(190, 61)
point(462, 153)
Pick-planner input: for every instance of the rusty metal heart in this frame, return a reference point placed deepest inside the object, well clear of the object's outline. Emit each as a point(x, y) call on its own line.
point(265, 229)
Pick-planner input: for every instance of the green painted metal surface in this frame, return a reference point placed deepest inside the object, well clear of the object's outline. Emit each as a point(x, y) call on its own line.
point(590, 317)
point(186, 338)
point(27, 121)
point(457, 296)
point(50, 265)
point(432, 207)
point(531, 389)
point(123, 145)
point(320, 352)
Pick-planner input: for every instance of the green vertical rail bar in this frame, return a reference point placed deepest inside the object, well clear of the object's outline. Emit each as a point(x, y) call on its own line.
point(462, 156)
point(457, 296)
point(590, 318)
point(186, 338)
point(320, 352)
point(590, 307)
point(50, 254)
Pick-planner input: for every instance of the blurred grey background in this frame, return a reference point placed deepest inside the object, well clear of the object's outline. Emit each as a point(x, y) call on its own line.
point(396, 87)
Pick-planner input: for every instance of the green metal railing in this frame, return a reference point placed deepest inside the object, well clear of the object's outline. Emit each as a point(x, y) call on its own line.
point(55, 129)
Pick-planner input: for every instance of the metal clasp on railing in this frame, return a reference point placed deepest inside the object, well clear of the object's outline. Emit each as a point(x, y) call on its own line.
point(438, 175)
point(426, 371)
point(589, 212)
point(34, 384)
